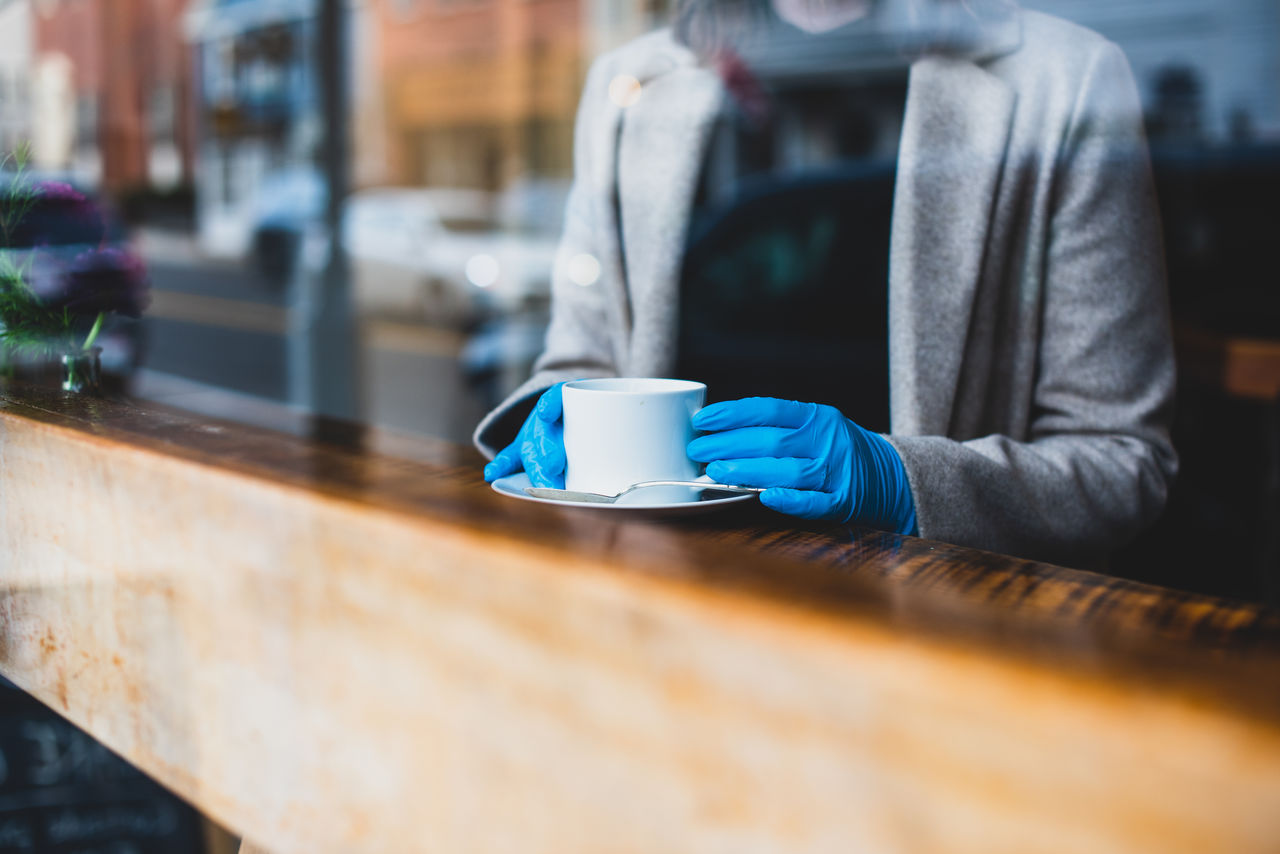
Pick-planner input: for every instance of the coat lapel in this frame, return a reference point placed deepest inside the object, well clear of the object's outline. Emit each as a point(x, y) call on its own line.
point(662, 139)
point(952, 150)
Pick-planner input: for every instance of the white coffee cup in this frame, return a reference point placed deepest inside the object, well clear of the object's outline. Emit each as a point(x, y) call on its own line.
point(623, 431)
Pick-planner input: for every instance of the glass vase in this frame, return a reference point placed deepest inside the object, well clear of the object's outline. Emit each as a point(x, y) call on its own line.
point(82, 371)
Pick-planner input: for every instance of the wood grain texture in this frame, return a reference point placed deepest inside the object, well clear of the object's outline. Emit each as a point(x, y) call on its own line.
point(346, 642)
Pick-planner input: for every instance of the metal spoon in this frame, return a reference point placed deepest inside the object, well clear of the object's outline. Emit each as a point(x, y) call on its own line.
point(599, 498)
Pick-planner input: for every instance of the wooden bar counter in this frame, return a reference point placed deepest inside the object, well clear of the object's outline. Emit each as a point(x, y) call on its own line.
point(348, 643)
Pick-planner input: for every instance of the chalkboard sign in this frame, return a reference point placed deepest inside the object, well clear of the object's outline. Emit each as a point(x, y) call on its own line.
point(61, 792)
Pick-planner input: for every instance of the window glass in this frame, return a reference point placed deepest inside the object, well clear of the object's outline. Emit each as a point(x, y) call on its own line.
point(359, 207)
point(457, 124)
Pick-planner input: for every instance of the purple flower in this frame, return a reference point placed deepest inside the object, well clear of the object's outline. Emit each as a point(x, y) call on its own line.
point(102, 280)
point(59, 192)
point(52, 214)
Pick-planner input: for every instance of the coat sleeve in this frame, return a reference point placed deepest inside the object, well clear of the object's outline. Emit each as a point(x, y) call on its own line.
point(1097, 463)
point(578, 342)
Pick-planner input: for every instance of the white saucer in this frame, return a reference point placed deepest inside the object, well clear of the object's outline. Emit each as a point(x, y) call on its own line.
point(514, 486)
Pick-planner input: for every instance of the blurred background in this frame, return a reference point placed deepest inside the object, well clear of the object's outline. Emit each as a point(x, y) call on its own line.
point(350, 207)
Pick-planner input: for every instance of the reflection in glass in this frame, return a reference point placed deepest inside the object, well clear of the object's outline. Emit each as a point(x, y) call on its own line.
point(206, 152)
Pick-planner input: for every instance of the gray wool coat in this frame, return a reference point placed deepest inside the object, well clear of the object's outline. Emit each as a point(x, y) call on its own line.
point(1031, 366)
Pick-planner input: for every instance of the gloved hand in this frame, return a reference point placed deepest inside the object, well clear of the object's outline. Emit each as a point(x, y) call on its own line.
point(815, 462)
point(538, 447)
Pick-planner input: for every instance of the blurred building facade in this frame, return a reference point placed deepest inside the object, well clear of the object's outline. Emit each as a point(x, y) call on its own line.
point(257, 106)
point(112, 92)
point(16, 50)
point(478, 92)
point(1207, 68)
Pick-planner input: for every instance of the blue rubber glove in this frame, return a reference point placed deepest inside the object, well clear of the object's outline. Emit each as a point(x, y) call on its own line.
point(815, 462)
point(539, 446)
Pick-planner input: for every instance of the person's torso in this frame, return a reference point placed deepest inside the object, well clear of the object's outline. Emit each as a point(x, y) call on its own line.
point(784, 283)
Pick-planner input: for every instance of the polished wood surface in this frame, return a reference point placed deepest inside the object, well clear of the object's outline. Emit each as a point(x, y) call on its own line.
point(416, 475)
point(343, 640)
